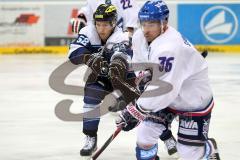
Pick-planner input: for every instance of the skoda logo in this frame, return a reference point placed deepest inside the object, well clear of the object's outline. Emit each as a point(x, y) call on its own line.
point(219, 24)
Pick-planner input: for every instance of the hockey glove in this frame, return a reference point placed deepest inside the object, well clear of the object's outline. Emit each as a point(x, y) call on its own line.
point(130, 117)
point(143, 78)
point(118, 69)
point(119, 105)
point(78, 23)
point(96, 63)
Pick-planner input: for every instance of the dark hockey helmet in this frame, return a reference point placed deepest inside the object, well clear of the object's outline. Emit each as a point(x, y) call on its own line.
point(106, 12)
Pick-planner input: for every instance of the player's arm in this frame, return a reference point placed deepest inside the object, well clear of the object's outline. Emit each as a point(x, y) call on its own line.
point(79, 49)
point(122, 76)
point(130, 10)
point(119, 62)
point(80, 53)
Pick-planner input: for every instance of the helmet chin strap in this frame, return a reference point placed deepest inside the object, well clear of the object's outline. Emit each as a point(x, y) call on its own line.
point(162, 28)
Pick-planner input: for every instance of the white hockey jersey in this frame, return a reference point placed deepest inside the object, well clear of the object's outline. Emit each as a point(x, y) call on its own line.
point(127, 11)
point(185, 70)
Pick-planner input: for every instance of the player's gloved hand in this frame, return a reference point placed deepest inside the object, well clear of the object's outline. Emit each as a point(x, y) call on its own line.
point(118, 69)
point(78, 23)
point(119, 105)
point(96, 63)
point(130, 117)
point(126, 121)
point(143, 78)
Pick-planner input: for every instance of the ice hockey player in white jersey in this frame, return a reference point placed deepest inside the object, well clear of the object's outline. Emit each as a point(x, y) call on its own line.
point(185, 90)
point(85, 50)
point(127, 14)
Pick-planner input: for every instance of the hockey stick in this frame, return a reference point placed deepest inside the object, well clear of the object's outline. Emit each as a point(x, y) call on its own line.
point(110, 139)
point(204, 53)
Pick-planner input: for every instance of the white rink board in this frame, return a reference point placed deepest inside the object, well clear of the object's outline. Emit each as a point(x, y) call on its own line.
point(31, 131)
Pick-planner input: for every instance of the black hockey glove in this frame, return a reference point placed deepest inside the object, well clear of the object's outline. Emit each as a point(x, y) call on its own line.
point(119, 105)
point(130, 117)
point(118, 68)
point(96, 63)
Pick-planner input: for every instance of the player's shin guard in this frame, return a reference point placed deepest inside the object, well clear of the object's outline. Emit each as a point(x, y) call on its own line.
point(211, 150)
point(90, 128)
point(91, 119)
point(147, 154)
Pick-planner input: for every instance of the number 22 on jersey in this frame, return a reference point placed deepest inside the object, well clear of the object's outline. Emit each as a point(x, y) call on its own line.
point(126, 4)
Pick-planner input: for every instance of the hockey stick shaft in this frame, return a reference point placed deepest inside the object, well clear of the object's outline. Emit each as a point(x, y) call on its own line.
point(110, 139)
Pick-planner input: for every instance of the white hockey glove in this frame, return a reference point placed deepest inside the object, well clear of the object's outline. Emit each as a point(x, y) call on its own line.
point(130, 117)
point(143, 79)
point(78, 23)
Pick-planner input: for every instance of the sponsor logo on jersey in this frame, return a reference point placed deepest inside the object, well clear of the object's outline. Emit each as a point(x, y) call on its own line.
point(188, 128)
point(189, 124)
point(219, 24)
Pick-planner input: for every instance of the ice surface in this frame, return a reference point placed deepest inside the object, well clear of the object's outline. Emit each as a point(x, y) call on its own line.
point(29, 129)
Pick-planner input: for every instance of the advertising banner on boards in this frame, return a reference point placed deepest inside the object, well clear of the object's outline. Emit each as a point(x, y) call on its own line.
point(21, 25)
point(210, 24)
